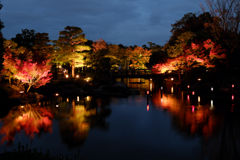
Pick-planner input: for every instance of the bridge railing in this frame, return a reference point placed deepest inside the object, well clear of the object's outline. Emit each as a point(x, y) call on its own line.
point(132, 71)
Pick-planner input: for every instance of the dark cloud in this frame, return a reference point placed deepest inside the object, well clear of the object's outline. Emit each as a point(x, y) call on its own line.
point(129, 22)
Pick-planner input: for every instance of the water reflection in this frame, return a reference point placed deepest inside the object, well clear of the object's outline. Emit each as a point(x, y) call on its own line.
point(77, 116)
point(226, 144)
point(26, 117)
point(219, 128)
point(188, 118)
point(142, 84)
point(137, 128)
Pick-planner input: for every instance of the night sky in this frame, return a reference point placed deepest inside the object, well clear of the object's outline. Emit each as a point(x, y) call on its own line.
point(127, 22)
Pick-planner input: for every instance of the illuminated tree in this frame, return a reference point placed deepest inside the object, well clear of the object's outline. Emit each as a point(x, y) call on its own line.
point(195, 55)
point(181, 41)
point(9, 69)
point(29, 67)
point(99, 44)
point(33, 72)
point(138, 57)
point(71, 47)
point(99, 51)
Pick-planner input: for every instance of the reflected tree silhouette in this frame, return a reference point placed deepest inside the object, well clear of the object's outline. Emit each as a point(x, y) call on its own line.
point(219, 130)
point(188, 119)
point(31, 119)
point(77, 118)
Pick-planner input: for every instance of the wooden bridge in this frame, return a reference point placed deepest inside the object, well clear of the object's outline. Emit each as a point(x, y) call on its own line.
point(134, 73)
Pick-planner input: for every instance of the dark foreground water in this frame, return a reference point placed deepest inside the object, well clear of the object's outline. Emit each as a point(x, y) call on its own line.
point(169, 124)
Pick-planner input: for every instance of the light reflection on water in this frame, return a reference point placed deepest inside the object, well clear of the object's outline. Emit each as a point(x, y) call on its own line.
point(168, 123)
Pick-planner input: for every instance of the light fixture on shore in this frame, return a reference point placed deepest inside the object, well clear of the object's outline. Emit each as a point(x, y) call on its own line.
point(87, 79)
point(172, 79)
point(77, 76)
point(66, 75)
point(211, 107)
point(21, 92)
point(88, 98)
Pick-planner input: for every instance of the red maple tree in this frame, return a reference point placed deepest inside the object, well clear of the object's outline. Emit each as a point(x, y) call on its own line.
point(30, 68)
point(98, 45)
point(33, 72)
point(197, 54)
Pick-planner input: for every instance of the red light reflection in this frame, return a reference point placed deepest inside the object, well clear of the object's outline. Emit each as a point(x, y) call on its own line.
point(193, 108)
point(193, 119)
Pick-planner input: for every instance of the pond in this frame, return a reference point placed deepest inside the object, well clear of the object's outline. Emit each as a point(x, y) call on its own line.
point(167, 123)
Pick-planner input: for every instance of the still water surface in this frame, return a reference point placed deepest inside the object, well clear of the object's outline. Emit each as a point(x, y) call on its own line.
point(166, 124)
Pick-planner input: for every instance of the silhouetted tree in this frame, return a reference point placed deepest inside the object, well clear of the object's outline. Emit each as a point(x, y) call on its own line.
point(1, 40)
point(224, 26)
point(25, 39)
point(191, 22)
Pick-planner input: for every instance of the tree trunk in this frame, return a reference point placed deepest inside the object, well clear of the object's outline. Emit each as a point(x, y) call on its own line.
point(73, 108)
point(56, 72)
point(179, 76)
point(9, 79)
point(127, 64)
point(29, 88)
point(73, 69)
point(19, 82)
